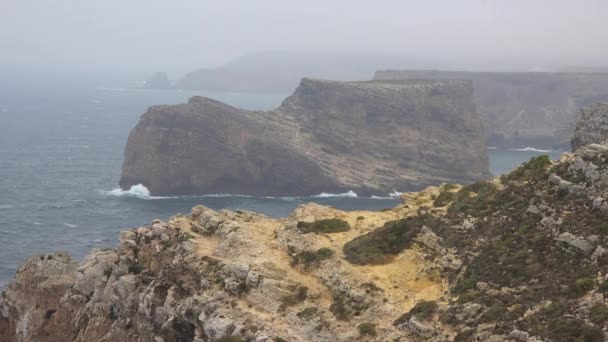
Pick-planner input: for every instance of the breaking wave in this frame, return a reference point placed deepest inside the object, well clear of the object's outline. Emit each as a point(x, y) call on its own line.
point(349, 193)
point(531, 149)
point(140, 191)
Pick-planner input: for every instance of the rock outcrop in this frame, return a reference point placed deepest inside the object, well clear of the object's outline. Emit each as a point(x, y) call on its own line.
point(522, 257)
point(592, 126)
point(159, 80)
point(520, 109)
point(370, 137)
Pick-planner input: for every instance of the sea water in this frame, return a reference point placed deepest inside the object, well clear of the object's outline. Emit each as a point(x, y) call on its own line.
point(61, 150)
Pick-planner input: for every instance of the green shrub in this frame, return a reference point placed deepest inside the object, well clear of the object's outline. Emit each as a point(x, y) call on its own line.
point(598, 313)
point(324, 226)
point(295, 298)
point(422, 311)
point(367, 329)
point(565, 330)
point(381, 245)
point(135, 268)
point(184, 237)
point(230, 338)
point(536, 167)
point(494, 313)
point(476, 199)
point(581, 286)
point(308, 258)
point(446, 195)
point(308, 313)
point(465, 335)
point(340, 310)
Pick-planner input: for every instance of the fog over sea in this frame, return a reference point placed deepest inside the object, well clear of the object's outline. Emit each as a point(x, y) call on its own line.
point(61, 149)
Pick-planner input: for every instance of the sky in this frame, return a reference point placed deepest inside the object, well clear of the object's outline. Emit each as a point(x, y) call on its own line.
point(181, 35)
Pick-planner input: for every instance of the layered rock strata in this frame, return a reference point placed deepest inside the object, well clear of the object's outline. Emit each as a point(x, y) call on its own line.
point(370, 137)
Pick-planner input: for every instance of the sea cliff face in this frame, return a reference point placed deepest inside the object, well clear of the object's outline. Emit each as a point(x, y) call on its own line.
point(523, 257)
point(372, 137)
point(592, 126)
point(520, 109)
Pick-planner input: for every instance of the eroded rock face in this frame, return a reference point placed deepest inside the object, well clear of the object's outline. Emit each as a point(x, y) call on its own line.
point(520, 109)
point(592, 126)
point(371, 137)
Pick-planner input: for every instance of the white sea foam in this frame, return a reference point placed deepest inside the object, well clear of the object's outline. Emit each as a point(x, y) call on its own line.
point(71, 225)
point(349, 193)
point(531, 149)
point(392, 195)
point(139, 191)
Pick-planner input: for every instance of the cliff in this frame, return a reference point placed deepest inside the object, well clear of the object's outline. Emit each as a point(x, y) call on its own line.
point(370, 137)
point(522, 109)
point(592, 126)
point(522, 257)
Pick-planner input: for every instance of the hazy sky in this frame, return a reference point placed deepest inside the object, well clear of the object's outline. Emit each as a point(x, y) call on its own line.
point(186, 34)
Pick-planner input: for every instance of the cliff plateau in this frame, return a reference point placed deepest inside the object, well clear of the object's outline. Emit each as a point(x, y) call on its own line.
point(520, 109)
point(372, 137)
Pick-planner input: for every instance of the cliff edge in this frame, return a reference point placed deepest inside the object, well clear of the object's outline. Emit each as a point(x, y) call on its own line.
point(371, 137)
point(592, 126)
point(520, 109)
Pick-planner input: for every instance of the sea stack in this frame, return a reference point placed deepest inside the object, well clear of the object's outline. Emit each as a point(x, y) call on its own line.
point(372, 137)
point(159, 80)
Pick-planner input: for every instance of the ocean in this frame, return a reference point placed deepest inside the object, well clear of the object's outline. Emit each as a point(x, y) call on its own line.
point(61, 149)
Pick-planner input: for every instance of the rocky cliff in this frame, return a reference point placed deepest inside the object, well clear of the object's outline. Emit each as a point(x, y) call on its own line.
point(522, 257)
point(159, 80)
point(522, 109)
point(592, 126)
point(372, 137)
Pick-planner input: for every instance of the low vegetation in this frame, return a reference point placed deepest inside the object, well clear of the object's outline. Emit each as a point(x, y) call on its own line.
point(381, 245)
point(422, 311)
point(295, 298)
point(367, 329)
point(309, 258)
point(446, 195)
point(326, 226)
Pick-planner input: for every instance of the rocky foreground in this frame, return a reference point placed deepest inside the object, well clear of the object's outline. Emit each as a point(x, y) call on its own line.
point(522, 257)
point(372, 137)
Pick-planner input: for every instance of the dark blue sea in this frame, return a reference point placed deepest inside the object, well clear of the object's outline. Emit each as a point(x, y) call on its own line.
point(61, 149)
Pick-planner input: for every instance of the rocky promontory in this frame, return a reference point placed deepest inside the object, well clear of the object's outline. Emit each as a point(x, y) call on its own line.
point(521, 257)
point(520, 109)
point(159, 80)
point(592, 126)
point(372, 137)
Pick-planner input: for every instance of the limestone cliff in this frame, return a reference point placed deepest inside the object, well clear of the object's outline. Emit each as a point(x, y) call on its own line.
point(523, 257)
point(520, 109)
point(592, 126)
point(371, 137)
